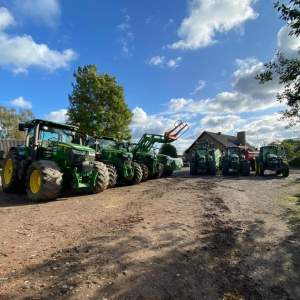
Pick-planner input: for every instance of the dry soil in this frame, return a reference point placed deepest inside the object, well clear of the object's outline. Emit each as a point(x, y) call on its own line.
point(174, 238)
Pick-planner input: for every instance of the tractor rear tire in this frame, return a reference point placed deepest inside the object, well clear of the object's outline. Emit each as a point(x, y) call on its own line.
point(285, 171)
point(193, 168)
point(138, 173)
point(9, 175)
point(245, 168)
point(145, 172)
point(113, 175)
point(212, 170)
point(102, 180)
point(43, 181)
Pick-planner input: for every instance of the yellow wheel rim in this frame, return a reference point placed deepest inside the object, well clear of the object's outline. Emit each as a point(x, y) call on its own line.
point(8, 171)
point(35, 181)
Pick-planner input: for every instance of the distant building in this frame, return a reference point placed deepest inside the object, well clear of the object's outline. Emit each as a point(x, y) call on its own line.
point(220, 141)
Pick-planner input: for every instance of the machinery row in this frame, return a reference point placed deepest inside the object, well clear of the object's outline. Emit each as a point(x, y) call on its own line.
point(207, 160)
point(56, 155)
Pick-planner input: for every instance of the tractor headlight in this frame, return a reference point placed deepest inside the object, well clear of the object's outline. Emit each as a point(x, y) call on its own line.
point(91, 154)
point(78, 152)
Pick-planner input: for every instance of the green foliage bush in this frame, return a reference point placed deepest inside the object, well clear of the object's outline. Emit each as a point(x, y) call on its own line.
point(168, 149)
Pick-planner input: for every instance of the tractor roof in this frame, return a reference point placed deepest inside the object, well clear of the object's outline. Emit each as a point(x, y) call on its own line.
point(35, 122)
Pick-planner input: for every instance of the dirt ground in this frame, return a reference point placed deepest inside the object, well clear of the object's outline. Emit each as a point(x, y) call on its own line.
point(175, 238)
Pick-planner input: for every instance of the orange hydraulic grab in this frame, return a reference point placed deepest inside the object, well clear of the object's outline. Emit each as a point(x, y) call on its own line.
point(177, 131)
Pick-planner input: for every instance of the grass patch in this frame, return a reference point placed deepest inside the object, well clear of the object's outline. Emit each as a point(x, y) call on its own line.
point(292, 210)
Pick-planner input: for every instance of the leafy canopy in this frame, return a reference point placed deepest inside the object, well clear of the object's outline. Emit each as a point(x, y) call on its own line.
point(287, 69)
point(97, 105)
point(168, 149)
point(10, 119)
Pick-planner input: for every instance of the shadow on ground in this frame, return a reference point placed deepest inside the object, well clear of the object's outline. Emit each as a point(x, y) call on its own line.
point(228, 258)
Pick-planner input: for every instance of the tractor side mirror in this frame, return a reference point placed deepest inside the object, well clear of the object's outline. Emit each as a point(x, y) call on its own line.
point(21, 126)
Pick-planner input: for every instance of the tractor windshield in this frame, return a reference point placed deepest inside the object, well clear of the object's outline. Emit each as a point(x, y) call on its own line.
point(58, 135)
point(233, 151)
point(273, 150)
point(107, 144)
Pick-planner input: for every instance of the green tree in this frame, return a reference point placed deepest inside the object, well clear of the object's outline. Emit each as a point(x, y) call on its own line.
point(97, 105)
point(287, 69)
point(10, 119)
point(168, 149)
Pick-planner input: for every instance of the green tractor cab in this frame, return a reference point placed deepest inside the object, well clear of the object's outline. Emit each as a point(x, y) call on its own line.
point(234, 162)
point(118, 160)
point(53, 157)
point(272, 158)
point(205, 160)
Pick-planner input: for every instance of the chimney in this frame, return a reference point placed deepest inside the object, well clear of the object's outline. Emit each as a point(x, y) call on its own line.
point(241, 137)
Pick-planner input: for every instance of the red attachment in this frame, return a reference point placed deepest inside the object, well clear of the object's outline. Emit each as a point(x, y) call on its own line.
point(179, 128)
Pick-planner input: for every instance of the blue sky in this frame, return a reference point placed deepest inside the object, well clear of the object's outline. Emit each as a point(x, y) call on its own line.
point(194, 60)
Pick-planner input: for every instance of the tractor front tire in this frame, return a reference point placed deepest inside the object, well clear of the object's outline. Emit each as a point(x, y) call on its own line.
point(138, 173)
point(168, 173)
point(102, 179)
point(113, 175)
point(43, 181)
point(285, 171)
point(145, 172)
point(159, 172)
point(225, 169)
point(9, 175)
point(261, 171)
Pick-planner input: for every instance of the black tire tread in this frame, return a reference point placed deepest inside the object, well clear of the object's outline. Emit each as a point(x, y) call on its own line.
point(15, 184)
point(102, 181)
point(138, 173)
point(145, 172)
point(52, 179)
point(113, 175)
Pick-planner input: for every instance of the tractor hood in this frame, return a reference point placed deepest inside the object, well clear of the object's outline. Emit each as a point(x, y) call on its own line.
point(75, 147)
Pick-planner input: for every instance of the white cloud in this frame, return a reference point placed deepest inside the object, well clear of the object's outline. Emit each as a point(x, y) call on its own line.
point(127, 36)
point(200, 85)
point(289, 45)
point(220, 123)
point(144, 123)
point(248, 95)
point(19, 53)
point(6, 18)
point(59, 116)
point(269, 128)
point(164, 62)
point(209, 17)
point(21, 103)
point(43, 11)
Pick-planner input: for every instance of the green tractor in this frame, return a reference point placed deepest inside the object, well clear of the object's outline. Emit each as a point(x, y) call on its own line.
point(272, 158)
point(53, 157)
point(205, 160)
point(170, 164)
point(155, 165)
point(118, 160)
point(234, 162)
